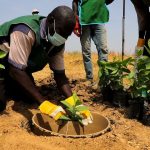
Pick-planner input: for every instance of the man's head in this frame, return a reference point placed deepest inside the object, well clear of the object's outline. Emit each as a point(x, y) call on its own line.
point(61, 21)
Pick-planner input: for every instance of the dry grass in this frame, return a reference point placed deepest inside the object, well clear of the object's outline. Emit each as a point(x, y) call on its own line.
point(75, 68)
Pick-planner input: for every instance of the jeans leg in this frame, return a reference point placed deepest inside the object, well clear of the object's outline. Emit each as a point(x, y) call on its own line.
point(85, 40)
point(99, 37)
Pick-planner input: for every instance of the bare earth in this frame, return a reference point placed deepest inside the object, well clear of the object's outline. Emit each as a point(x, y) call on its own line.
point(16, 134)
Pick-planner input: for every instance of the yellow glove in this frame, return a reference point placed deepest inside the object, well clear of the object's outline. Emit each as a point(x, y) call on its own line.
point(52, 110)
point(85, 114)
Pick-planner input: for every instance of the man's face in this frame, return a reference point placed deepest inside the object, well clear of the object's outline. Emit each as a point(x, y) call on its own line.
point(60, 29)
point(55, 38)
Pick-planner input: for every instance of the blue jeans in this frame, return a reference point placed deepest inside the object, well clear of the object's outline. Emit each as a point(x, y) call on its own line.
point(98, 34)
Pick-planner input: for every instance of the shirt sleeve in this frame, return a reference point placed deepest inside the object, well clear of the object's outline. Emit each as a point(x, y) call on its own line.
point(56, 62)
point(20, 48)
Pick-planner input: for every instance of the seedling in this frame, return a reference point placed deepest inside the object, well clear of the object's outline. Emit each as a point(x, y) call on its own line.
point(74, 107)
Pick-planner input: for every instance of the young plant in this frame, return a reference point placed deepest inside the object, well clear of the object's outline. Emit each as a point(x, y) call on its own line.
point(2, 55)
point(111, 76)
point(73, 107)
point(141, 76)
point(112, 73)
point(139, 90)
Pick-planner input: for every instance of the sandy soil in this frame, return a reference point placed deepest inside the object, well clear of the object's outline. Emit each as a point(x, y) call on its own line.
point(16, 134)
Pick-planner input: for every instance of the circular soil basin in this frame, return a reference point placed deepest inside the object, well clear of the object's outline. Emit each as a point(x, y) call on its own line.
point(45, 125)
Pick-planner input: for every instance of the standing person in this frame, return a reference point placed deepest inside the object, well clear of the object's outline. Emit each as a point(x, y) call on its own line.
point(35, 11)
point(143, 17)
point(91, 17)
point(29, 43)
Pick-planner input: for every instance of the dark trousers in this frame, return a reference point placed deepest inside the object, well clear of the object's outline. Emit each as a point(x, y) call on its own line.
point(143, 17)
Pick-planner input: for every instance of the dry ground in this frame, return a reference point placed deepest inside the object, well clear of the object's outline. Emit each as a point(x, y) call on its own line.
point(15, 133)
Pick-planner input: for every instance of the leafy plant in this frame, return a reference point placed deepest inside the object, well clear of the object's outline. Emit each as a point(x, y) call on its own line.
point(74, 107)
point(141, 76)
point(112, 73)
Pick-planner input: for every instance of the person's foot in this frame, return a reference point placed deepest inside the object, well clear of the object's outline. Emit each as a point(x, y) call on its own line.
point(88, 82)
point(91, 83)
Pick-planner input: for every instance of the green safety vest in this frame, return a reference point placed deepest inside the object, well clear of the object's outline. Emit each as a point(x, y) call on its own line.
point(38, 56)
point(92, 12)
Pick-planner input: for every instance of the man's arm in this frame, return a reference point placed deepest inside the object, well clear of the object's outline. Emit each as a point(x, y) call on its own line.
point(21, 42)
point(75, 6)
point(77, 28)
point(25, 82)
point(56, 64)
point(63, 84)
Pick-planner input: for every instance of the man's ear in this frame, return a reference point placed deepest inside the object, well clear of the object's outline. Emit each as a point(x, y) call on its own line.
point(50, 20)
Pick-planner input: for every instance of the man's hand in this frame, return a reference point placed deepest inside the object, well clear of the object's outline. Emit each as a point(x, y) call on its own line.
point(77, 28)
point(85, 114)
point(52, 110)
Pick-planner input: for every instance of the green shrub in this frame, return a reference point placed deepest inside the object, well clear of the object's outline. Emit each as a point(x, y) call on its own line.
point(112, 73)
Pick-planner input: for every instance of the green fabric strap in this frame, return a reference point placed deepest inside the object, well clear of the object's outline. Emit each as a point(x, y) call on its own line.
point(38, 57)
point(33, 21)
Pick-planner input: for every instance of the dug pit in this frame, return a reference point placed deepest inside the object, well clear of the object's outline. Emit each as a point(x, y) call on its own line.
point(44, 125)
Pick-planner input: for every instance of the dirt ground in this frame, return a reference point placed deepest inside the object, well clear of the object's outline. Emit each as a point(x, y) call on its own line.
point(16, 134)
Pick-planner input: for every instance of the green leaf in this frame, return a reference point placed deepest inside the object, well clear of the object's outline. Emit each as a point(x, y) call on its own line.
point(148, 66)
point(127, 61)
point(64, 118)
point(2, 66)
point(2, 54)
point(71, 110)
point(144, 93)
point(139, 52)
point(76, 99)
point(149, 43)
point(148, 50)
point(66, 104)
point(81, 108)
point(125, 70)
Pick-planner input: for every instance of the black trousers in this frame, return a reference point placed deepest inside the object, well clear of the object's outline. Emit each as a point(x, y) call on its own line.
point(143, 17)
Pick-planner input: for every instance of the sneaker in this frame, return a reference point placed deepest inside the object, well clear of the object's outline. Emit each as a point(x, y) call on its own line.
point(88, 82)
point(92, 84)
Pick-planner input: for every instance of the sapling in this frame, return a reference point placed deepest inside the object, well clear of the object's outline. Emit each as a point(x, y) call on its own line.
point(139, 89)
point(111, 75)
point(74, 107)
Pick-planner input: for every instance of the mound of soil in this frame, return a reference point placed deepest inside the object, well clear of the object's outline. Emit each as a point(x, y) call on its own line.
point(15, 123)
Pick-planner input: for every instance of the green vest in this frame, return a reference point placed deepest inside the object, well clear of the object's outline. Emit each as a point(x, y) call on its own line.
point(92, 12)
point(38, 57)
